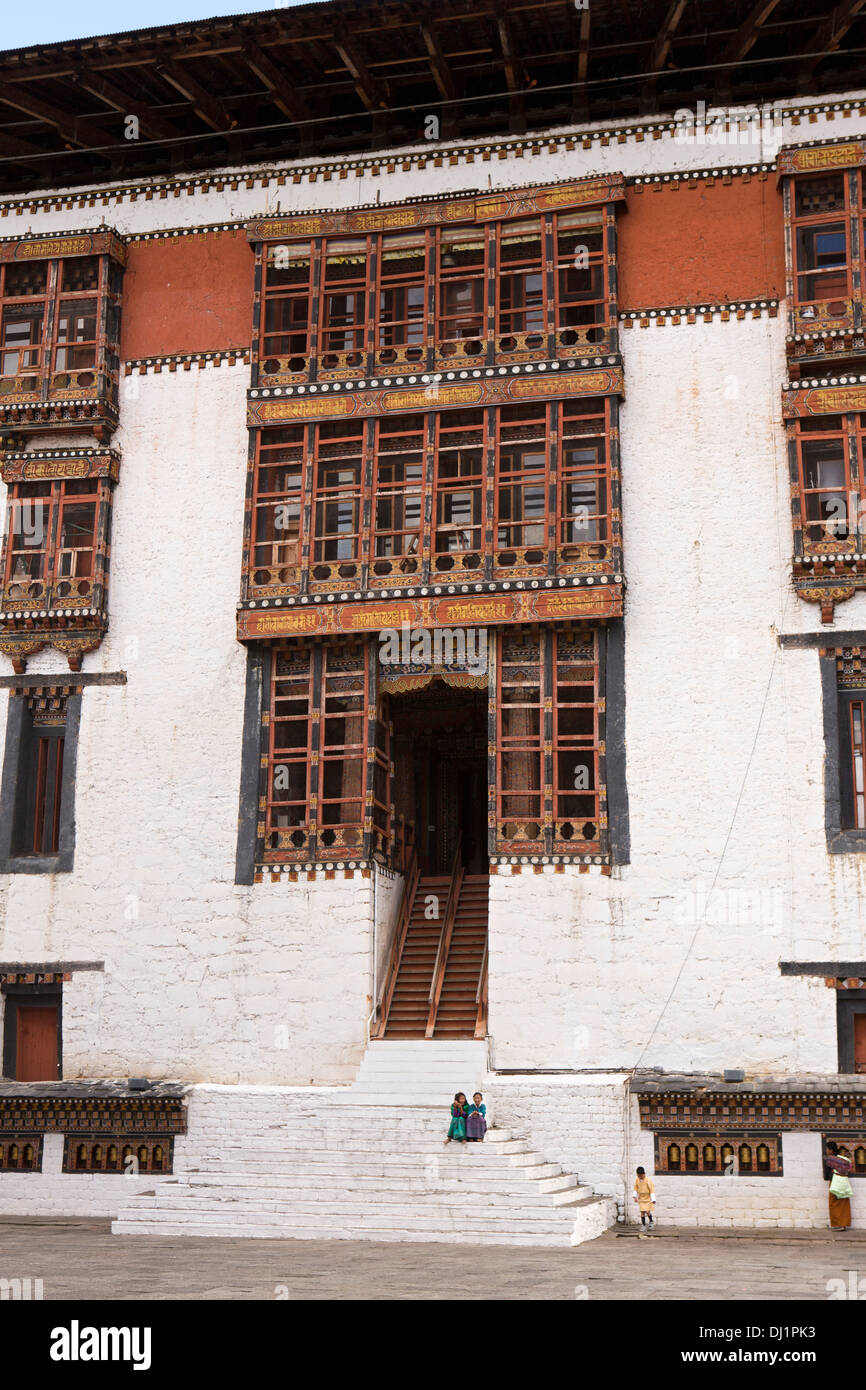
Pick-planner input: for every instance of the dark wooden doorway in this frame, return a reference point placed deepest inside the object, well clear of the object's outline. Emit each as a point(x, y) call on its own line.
point(440, 774)
point(31, 1034)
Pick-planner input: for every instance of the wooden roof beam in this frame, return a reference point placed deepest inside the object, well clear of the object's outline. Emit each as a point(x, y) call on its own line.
point(65, 123)
point(511, 62)
point(827, 38)
point(749, 31)
point(14, 148)
point(442, 74)
point(268, 73)
point(664, 38)
point(371, 92)
point(208, 108)
point(127, 105)
point(582, 59)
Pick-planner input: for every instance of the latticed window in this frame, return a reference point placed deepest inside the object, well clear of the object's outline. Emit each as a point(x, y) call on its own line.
point(517, 491)
point(581, 296)
point(822, 208)
point(436, 294)
point(344, 300)
point(338, 483)
point(399, 495)
point(287, 304)
point(549, 792)
point(402, 311)
point(60, 317)
point(830, 457)
point(521, 299)
point(522, 483)
point(462, 274)
point(584, 475)
point(458, 489)
point(520, 703)
point(277, 505)
point(328, 762)
point(56, 541)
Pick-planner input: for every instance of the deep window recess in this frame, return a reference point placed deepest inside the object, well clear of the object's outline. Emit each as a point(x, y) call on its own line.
point(851, 1030)
point(37, 820)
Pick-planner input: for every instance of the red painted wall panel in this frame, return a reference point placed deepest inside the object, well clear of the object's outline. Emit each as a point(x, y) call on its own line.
point(715, 242)
point(189, 294)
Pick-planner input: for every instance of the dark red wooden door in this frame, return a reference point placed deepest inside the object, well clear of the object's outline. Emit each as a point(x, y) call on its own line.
point(860, 1042)
point(36, 1043)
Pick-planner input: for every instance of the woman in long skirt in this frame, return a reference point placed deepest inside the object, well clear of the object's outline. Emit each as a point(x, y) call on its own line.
point(457, 1127)
point(840, 1188)
point(476, 1122)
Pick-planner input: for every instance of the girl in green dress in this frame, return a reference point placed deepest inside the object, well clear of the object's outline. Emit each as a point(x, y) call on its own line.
point(457, 1127)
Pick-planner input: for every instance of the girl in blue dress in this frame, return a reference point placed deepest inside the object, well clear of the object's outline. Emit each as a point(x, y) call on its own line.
point(457, 1127)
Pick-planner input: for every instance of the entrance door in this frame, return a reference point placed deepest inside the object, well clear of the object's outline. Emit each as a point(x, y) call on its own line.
point(36, 1042)
point(440, 770)
point(860, 1042)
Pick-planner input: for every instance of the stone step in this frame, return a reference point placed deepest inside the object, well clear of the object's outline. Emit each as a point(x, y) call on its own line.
point(229, 1230)
point(366, 1183)
point(522, 1220)
point(437, 1207)
point(403, 1168)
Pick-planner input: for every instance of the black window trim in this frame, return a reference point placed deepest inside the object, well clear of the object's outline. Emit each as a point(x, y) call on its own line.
point(12, 791)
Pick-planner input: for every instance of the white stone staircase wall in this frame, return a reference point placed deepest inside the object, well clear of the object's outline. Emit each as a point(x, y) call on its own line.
point(326, 1164)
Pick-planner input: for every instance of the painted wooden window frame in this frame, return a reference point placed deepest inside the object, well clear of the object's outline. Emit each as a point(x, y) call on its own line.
point(446, 339)
point(559, 828)
point(51, 383)
point(558, 555)
point(326, 671)
point(55, 608)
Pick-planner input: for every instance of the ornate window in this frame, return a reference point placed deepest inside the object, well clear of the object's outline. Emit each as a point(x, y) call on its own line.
point(59, 331)
point(327, 793)
point(523, 491)
point(56, 552)
point(464, 281)
point(826, 427)
point(398, 497)
point(549, 797)
point(820, 220)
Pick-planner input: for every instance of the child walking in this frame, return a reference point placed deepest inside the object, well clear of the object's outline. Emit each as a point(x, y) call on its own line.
point(457, 1127)
point(476, 1123)
point(644, 1195)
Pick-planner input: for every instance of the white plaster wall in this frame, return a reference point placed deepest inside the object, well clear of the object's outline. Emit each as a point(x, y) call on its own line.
point(725, 754)
point(203, 979)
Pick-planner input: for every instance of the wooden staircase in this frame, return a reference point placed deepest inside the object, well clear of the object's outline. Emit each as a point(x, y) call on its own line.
point(436, 984)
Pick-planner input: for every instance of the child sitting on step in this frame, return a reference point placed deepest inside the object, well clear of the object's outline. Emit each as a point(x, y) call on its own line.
point(457, 1127)
point(476, 1121)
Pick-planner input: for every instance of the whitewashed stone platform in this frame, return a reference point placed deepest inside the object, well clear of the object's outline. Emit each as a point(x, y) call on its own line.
point(317, 1164)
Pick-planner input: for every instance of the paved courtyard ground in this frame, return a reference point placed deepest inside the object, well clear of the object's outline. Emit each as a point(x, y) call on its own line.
point(79, 1259)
